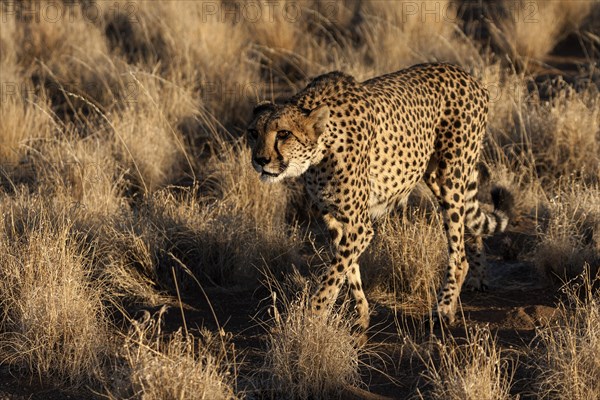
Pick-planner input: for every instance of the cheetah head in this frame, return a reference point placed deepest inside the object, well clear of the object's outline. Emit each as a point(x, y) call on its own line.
point(285, 139)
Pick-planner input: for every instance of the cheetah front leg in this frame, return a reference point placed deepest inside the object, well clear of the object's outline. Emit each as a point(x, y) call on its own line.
point(349, 241)
point(452, 201)
point(360, 300)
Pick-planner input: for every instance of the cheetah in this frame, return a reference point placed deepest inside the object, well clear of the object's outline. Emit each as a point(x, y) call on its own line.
point(361, 148)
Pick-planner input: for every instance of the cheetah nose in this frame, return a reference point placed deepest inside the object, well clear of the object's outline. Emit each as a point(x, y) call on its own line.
point(262, 161)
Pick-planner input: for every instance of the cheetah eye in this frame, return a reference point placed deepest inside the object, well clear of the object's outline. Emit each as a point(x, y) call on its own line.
point(253, 133)
point(282, 135)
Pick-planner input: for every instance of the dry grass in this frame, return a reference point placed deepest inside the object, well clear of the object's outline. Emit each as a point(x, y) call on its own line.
point(569, 357)
point(146, 140)
point(123, 177)
point(571, 240)
point(414, 33)
point(529, 30)
point(30, 122)
point(543, 140)
point(180, 366)
point(475, 369)
point(404, 264)
point(54, 323)
point(564, 134)
point(309, 356)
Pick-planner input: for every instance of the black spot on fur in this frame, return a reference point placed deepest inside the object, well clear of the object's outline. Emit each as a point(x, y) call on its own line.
point(454, 217)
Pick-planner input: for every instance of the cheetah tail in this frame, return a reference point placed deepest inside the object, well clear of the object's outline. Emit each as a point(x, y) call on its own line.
point(482, 223)
point(504, 202)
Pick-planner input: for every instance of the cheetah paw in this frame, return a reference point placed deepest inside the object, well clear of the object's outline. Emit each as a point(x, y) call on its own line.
point(443, 315)
point(477, 285)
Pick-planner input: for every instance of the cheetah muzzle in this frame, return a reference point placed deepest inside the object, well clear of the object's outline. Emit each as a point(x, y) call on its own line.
point(361, 148)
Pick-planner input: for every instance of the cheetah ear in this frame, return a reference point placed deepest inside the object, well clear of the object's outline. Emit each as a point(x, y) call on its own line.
point(263, 106)
point(317, 119)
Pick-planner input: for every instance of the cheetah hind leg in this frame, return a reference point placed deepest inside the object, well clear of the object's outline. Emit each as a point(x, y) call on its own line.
point(477, 278)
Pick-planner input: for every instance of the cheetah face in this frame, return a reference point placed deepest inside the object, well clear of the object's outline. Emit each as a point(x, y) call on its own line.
point(284, 139)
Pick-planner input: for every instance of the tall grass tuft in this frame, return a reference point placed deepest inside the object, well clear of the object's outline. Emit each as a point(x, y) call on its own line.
point(571, 239)
point(403, 265)
point(475, 369)
point(307, 355)
point(155, 366)
point(528, 31)
point(568, 358)
point(53, 321)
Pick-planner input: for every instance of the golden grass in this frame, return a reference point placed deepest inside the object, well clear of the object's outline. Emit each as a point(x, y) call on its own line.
point(307, 355)
point(180, 366)
point(564, 134)
point(28, 123)
point(414, 33)
point(529, 30)
point(571, 239)
point(475, 369)
point(569, 355)
point(145, 137)
point(404, 264)
point(123, 177)
point(54, 323)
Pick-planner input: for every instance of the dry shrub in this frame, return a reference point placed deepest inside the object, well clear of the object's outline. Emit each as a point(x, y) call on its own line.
point(95, 181)
point(309, 356)
point(565, 134)
point(569, 357)
point(508, 94)
point(30, 118)
point(11, 71)
point(67, 56)
point(156, 366)
point(531, 29)
point(247, 217)
point(54, 324)
point(274, 28)
point(353, 36)
point(80, 172)
point(188, 45)
point(219, 231)
point(126, 99)
point(126, 261)
point(572, 237)
point(287, 43)
point(230, 179)
point(407, 257)
point(229, 81)
point(508, 152)
point(533, 142)
point(29, 122)
point(134, 31)
point(225, 228)
point(409, 33)
point(473, 370)
point(145, 138)
point(541, 141)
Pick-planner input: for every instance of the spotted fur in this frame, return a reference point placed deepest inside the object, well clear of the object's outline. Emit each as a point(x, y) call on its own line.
point(361, 148)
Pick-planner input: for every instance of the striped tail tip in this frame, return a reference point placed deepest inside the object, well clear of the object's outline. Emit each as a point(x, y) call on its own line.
point(503, 199)
point(504, 202)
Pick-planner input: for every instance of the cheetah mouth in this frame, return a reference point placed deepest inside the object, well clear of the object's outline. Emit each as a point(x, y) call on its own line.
point(273, 174)
point(269, 174)
point(271, 177)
